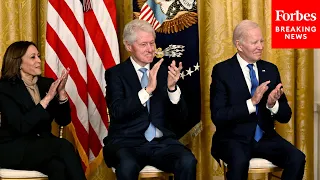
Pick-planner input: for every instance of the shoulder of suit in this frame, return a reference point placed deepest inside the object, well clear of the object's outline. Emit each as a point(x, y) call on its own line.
point(117, 67)
point(223, 64)
point(8, 84)
point(8, 87)
point(266, 64)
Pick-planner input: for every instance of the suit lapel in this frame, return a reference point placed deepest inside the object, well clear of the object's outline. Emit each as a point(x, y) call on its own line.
point(131, 76)
point(18, 90)
point(262, 72)
point(238, 76)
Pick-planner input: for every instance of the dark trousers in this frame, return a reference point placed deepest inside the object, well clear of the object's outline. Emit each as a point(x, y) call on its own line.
point(275, 149)
point(54, 157)
point(173, 158)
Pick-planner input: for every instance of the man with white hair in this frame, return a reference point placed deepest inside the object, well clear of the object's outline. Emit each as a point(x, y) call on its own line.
point(145, 102)
point(246, 98)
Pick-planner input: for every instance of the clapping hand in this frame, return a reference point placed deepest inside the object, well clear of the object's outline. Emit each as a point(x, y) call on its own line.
point(258, 94)
point(61, 88)
point(58, 86)
point(274, 95)
point(173, 74)
point(152, 84)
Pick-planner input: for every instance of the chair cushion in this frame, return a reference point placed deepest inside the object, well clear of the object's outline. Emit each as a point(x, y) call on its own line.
point(259, 163)
point(150, 169)
point(145, 169)
point(11, 173)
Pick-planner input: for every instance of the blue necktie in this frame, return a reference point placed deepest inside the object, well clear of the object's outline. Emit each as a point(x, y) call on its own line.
point(150, 133)
point(254, 84)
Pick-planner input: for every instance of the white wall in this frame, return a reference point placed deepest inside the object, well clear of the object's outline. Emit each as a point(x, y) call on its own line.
point(316, 114)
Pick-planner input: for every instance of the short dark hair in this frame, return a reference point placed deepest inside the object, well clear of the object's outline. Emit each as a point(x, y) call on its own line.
point(12, 59)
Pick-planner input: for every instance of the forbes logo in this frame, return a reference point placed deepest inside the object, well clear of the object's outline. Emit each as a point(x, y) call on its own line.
point(296, 16)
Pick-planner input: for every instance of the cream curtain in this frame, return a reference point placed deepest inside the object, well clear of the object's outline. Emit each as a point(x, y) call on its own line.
point(26, 20)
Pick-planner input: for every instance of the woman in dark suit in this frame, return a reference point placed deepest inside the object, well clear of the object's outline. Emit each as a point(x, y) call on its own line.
point(28, 105)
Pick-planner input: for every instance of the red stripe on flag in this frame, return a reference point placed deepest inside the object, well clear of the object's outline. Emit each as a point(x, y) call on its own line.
point(144, 7)
point(82, 134)
point(153, 20)
point(151, 16)
point(111, 6)
point(94, 143)
point(48, 72)
point(67, 61)
point(148, 12)
point(98, 39)
point(70, 20)
point(97, 96)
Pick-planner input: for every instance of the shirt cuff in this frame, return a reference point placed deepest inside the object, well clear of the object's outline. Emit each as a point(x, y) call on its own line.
point(251, 107)
point(274, 109)
point(63, 101)
point(175, 96)
point(144, 96)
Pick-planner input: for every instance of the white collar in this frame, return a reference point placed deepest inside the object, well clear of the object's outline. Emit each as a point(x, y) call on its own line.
point(243, 63)
point(137, 66)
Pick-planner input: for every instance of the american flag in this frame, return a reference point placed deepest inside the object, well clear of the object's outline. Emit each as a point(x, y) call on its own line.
point(151, 12)
point(81, 35)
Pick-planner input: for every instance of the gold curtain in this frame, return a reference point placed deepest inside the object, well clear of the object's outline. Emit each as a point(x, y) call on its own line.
point(217, 20)
point(22, 20)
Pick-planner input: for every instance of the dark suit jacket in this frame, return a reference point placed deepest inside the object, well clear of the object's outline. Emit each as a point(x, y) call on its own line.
point(229, 112)
point(129, 119)
point(22, 121)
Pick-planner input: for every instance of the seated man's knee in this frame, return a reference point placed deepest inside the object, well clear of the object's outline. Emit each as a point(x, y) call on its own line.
point(239, 163)
point(128, 169)
point(66, 145)
point(55, 168)
point(187, 161)
point(297, 157)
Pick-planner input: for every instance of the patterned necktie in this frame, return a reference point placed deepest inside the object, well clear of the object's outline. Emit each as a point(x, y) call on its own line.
point(150, 133)
point(254, 84)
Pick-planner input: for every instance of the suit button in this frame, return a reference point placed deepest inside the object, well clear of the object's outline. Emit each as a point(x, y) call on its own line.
point(38, 134)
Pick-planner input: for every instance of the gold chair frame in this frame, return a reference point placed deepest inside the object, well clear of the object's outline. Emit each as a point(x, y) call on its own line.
point(160, 175)
point(156, 174)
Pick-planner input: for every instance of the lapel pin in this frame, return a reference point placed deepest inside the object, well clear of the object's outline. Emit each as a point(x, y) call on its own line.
point(263, 70)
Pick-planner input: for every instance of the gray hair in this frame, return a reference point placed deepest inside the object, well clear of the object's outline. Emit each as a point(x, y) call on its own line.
point(130, 30)
point(241, 29)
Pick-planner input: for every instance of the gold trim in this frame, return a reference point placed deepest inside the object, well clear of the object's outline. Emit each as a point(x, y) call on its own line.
point(181, 21)
point(82, 153)
point(191, 134)
point(161, 175)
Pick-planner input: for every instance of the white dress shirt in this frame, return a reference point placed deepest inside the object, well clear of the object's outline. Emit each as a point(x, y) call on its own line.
point(246, 74)
point(144, 96)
